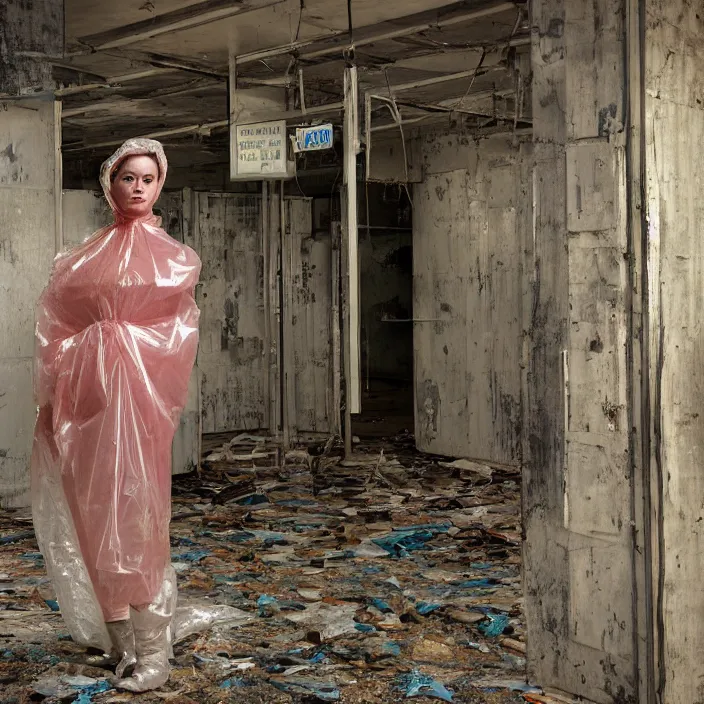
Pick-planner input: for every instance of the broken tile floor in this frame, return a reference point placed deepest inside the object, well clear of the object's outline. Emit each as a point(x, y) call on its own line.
point(389, 576)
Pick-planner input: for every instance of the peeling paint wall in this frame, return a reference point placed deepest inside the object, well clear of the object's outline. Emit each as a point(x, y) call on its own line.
point(232, 359)
point(27, 245)
point(471, 217)
point(674, 105)
point(311, 319)
point(578, 517)
point(231, 353)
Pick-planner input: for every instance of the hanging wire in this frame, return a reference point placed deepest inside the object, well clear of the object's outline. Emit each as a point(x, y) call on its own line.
point(349, 20)
point(300, 18)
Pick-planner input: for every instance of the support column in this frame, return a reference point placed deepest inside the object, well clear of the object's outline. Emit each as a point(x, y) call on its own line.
point(30, 217)
point(582, 580)
point(30, 33)
point(673, 32)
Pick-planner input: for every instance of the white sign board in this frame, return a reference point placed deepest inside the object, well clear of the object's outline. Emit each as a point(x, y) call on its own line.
point(261, 151)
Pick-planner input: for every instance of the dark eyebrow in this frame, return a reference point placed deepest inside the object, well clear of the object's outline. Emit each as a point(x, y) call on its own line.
point(128, 172)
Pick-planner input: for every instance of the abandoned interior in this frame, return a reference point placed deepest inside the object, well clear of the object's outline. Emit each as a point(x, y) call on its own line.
point(444, 435)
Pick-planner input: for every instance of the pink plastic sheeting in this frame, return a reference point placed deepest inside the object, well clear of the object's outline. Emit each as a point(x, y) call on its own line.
point(117, 333)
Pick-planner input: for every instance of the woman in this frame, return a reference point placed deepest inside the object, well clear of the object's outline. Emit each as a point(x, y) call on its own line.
point(117, 332)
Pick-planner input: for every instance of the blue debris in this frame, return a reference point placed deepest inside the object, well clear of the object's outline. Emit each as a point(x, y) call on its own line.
point(52, 604)
point(38, 654)
point(381, 605)
point(268, 605)
point(187, 542)
point(233, 682)
point(401, 542)
point(318, 658)
point(34, 556)
point(391, 648)
point(16, 537)
point(253, 500)
point(320, 690)
point(486, 583)
point(364, 628)
point(86, 694)
point(424, 608)
point(193, 555)
point(416, 684)
point(495, 626)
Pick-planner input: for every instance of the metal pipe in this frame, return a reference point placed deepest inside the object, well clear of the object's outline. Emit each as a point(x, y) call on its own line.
point(351, 139)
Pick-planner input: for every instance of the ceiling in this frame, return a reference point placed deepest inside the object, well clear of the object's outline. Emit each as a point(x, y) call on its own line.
point(160, 67)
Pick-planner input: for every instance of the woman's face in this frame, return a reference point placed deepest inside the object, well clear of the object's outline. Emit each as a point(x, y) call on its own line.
point(135, 185)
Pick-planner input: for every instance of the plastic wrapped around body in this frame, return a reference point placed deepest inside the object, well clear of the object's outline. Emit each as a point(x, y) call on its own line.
point(117, 334)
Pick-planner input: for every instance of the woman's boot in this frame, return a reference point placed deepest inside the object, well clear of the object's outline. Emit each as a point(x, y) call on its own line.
point(122, 638)
point(151, 635)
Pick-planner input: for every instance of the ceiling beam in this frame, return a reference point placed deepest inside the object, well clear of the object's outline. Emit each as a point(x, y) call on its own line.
point(455, 13)
point(113, 81)
point(175, 21)
point(444, 78)
point(206, 127)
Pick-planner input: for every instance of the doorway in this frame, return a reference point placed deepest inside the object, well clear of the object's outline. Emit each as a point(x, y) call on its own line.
point(386, 306)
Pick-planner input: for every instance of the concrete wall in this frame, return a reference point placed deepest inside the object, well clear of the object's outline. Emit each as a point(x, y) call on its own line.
point(28, 222)
point(674, 133)
point(471, 224)
point(578, 494)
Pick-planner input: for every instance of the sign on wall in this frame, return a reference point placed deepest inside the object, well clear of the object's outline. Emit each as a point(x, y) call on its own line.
point(261, 151)
point(310, 139)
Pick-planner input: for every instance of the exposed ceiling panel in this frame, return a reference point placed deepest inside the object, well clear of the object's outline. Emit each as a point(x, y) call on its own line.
point(176, 84)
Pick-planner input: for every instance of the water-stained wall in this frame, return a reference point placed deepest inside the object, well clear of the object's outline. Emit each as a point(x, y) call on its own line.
point(28, 217)
point(578, 496)
point(674, 133)
point(471, 221)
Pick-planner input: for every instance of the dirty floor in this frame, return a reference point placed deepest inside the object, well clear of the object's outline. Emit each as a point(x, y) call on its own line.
point(390, 576)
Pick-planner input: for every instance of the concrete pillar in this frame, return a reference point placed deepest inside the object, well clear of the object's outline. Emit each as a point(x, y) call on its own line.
point(614, 483)
point(30, 207)
point(674, 189)
point(31, 31)
point(580, 573)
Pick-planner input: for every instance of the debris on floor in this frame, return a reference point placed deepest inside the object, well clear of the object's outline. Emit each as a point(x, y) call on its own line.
point(386, 577)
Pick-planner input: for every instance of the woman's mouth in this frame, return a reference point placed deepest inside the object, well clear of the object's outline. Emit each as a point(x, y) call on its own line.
point(137, 199)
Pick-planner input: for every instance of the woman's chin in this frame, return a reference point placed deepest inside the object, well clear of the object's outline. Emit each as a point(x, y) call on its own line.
point(137, 212)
